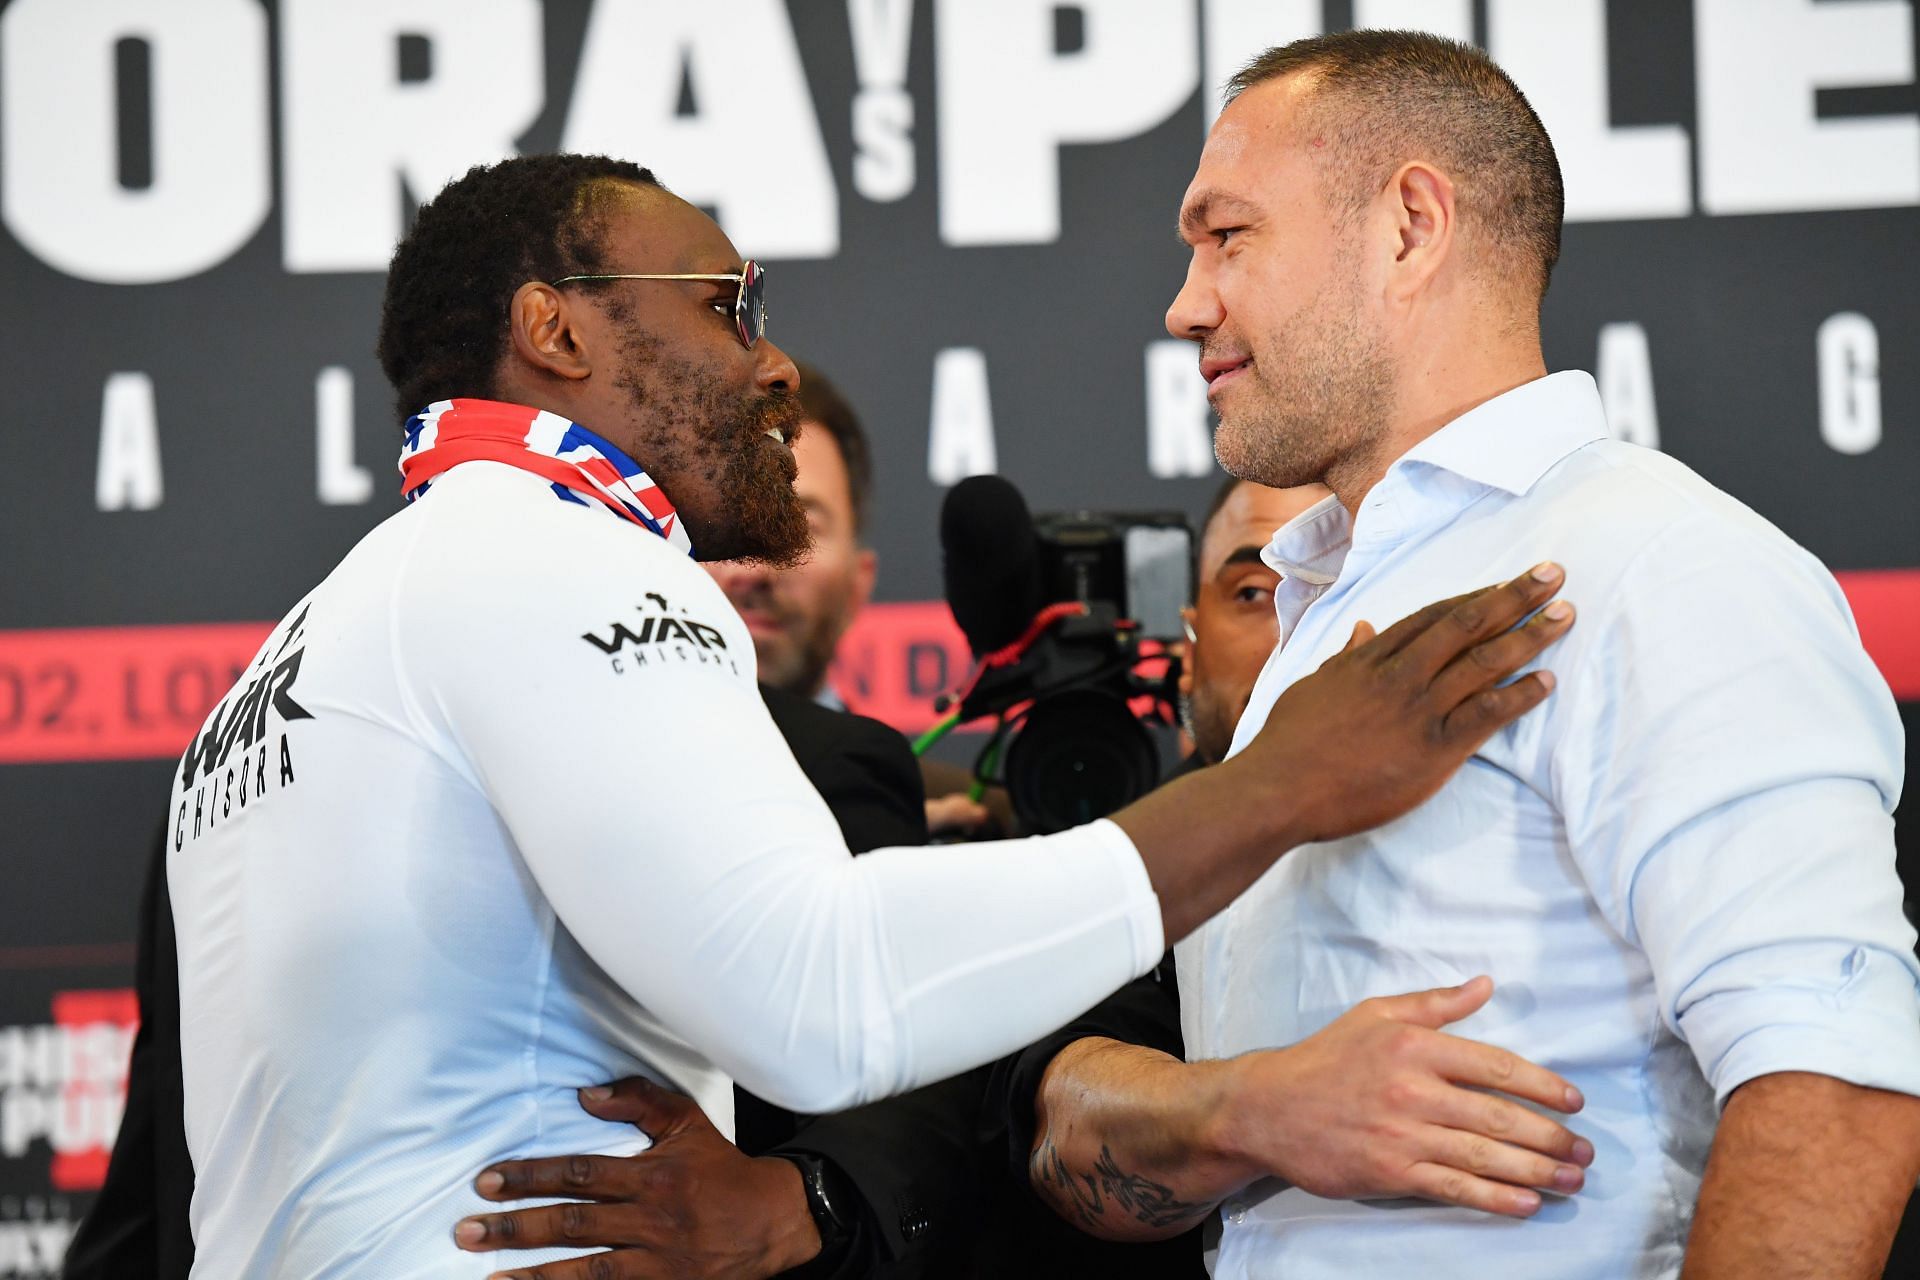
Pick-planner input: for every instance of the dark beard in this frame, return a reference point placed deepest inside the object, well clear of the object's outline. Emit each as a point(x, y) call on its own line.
point(709, 454)
point(766, 521)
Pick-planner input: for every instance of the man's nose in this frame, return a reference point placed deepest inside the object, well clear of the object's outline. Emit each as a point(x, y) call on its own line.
point(773, 368)
point(1196, 310)
point(737, 578)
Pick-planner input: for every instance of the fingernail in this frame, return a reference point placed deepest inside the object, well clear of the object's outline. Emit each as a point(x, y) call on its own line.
point(1582, 1152)
point(1546, 680)
point(1567, 1178)
point(1525, 1201)
point(470, 1231)
point(597, 1092)
point(1574, 1100)
point(1545, 571)
point(1558, 611)
point(489, 1183)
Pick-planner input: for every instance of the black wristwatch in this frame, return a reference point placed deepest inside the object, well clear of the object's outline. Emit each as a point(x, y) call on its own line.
point(830, 1200)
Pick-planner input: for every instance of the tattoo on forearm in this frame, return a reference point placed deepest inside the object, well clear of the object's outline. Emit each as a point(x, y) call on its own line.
point(1151, 1203)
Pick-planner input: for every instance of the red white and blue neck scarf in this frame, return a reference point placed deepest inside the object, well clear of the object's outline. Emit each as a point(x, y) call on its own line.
point(581, 466)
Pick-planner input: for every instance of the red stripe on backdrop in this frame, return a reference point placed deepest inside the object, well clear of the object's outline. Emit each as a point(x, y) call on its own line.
point(1886, 604)
point(115, 693)
point(101, 1025)
point(137, 693)
point(897, 658)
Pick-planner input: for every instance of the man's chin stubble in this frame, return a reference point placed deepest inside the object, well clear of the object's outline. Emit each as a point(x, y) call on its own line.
point(1240, 453)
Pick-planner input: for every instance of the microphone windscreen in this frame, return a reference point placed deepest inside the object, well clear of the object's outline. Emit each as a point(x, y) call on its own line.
point(990, 561)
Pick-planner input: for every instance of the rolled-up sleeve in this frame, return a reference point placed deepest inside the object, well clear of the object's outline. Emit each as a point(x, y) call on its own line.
point(1728, 762)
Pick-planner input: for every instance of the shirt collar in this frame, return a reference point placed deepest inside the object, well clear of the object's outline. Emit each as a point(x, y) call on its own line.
point(1310, 547)
point(1512, 440)
point(1507, 443)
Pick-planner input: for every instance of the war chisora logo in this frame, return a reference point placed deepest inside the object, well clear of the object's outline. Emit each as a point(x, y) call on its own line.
point(242, 724)
point(661, 634)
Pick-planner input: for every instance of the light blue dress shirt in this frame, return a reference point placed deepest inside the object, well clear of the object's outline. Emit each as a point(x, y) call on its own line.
point(1679, 870)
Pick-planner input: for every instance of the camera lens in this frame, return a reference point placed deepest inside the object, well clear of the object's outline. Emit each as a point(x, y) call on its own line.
point(1080, 755)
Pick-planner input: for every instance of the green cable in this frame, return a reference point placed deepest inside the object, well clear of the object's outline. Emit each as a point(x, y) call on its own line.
point(989, 761)
point(933, 735)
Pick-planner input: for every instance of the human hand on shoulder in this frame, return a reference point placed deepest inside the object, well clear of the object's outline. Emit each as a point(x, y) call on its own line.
point(1385, 722)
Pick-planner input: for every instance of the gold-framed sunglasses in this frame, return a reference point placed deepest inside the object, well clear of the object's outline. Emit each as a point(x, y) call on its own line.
point(749, 302)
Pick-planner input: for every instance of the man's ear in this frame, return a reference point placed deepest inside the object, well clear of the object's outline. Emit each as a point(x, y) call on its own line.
point(1421, 205)
point(866, 568)
point(1185, 648)
point(545, 331)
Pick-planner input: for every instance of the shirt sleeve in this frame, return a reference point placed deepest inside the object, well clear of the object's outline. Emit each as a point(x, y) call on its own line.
point(1727, 761)
point(612, 720)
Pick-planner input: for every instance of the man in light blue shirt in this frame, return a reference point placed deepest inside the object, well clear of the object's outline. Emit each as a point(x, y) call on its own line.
point(1679, 872)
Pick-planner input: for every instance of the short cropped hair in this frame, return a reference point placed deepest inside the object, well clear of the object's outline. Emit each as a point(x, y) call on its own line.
point(1214, 507)
point(822, 405)
point(1219, 501)
point(1381, 98)
point(443, 324)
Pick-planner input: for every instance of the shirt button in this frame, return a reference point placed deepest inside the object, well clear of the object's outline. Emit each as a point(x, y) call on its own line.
point(1237, 1215)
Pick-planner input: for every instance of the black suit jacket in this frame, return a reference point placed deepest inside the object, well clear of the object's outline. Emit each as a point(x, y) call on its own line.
point(138, 1224)
point(941, 1172)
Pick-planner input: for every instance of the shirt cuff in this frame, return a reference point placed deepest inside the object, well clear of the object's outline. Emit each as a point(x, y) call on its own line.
point(1141, 903)
point(1865, 1030)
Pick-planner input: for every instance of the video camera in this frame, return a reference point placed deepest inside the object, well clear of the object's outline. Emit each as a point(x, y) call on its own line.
point(1056, 612)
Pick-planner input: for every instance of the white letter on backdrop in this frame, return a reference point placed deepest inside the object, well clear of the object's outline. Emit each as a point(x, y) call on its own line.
point(1179, 431)
point(1761, 148)
point(751, 149)
point(1557, 54)
point(1008, 102)
point(338, 479)
point(1849, 349)
point(960, 431)
point(883, 152)
point(127, 475)
point(61, 193)
point(1238, 30)
point(1624, 370)
point(353, 131)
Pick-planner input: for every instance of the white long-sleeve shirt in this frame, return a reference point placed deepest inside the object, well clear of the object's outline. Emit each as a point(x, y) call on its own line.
point(1679, 870)
point(499, 813)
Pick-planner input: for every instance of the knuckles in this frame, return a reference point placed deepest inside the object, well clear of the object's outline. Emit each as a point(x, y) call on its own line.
point(1383, 1173)
point(1484, 657)
point(1405, 1041)
point(1401, 1094)
point(1470, 617)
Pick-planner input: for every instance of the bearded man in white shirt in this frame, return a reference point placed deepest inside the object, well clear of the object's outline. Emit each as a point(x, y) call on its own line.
point(1681, 873)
